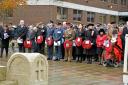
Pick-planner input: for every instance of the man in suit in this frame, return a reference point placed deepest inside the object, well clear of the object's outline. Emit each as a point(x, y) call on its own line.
point(21, 35)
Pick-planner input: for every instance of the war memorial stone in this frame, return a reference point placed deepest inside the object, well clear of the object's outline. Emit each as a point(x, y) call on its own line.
point(28, 69)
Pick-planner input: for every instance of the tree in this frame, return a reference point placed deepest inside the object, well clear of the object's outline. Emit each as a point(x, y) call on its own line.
point(7, 7)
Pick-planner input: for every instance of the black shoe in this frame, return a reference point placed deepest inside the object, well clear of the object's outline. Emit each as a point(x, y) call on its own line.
point(77, 60)
point(1, 56)
point(100, 64)
point(89, 62)
point(80, 61)
point(57, 60)
point(48, 59)
point(65, 60)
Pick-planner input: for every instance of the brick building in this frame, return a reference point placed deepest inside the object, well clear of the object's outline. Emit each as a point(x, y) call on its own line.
point(76, 11)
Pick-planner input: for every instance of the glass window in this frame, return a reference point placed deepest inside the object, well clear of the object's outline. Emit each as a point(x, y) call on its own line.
point(114, 1)
point(8, 13)
point(62, 13)
point(123, 2)
point(104, 0)
point(113, 18)
point(90, 16)
point(77, 15)
point(102, 19)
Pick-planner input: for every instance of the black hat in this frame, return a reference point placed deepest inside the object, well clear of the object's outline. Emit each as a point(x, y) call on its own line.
point(90, 25)
point(113, 22)
point(59, 23)
point(51, 21)
point(101, 30)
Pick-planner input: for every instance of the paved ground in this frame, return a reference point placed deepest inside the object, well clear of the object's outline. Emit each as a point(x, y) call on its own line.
point(64, 73)
point(72, 73)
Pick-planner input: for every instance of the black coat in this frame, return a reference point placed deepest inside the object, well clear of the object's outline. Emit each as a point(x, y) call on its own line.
point(5, 41)
point(79, 50)
point(22, 32)
point(1, 28)
point(14, 33)
point(88, 36)
point(42, 31)
point(125, 31)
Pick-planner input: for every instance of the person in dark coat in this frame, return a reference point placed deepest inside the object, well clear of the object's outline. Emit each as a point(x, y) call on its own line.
point(79, 50)
point(41, 31)
point(1, 28)
point(75, 28)
point(5, 36)
point(49, 34)
point(125, 31)
point(64, 27)
point(21, 35)
point(32, 35)
point(13, 30)
point(90, 34)
point(97, 28)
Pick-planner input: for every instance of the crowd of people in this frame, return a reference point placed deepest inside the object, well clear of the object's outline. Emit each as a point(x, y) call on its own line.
point(64, 41)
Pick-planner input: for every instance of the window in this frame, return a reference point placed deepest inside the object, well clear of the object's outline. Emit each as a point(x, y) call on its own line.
point(7, 13)
point(104, 0)
point(123, 2)
point(77, 15)
point(112, 18)
point(102, 19)
point(62, 13)
point(90, 16)
point(114, 1)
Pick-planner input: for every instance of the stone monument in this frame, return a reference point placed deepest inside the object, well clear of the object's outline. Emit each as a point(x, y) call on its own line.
point(28, 69)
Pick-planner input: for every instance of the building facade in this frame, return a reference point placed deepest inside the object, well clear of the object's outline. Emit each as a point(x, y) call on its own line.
point(75, 11)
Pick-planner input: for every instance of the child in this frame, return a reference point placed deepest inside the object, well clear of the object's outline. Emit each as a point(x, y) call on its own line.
point(99, 41)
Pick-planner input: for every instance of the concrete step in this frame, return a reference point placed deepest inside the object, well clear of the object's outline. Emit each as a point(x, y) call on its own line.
point(8, 83)
point(2, 73)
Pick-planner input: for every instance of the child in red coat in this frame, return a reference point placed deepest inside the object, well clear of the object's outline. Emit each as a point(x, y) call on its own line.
point(99, 41)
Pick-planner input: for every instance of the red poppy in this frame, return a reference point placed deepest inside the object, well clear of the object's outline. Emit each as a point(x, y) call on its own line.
point(67, 44)
point(78, 41)
point(27, 44)
point(86, 44)
point(39, 39)
point(49, 41)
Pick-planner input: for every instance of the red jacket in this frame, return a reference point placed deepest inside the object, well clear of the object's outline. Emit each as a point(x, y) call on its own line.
point(100, 40)
point(119, 41)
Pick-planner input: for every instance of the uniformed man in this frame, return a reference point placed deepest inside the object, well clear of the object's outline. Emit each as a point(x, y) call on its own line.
point(69, 35)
